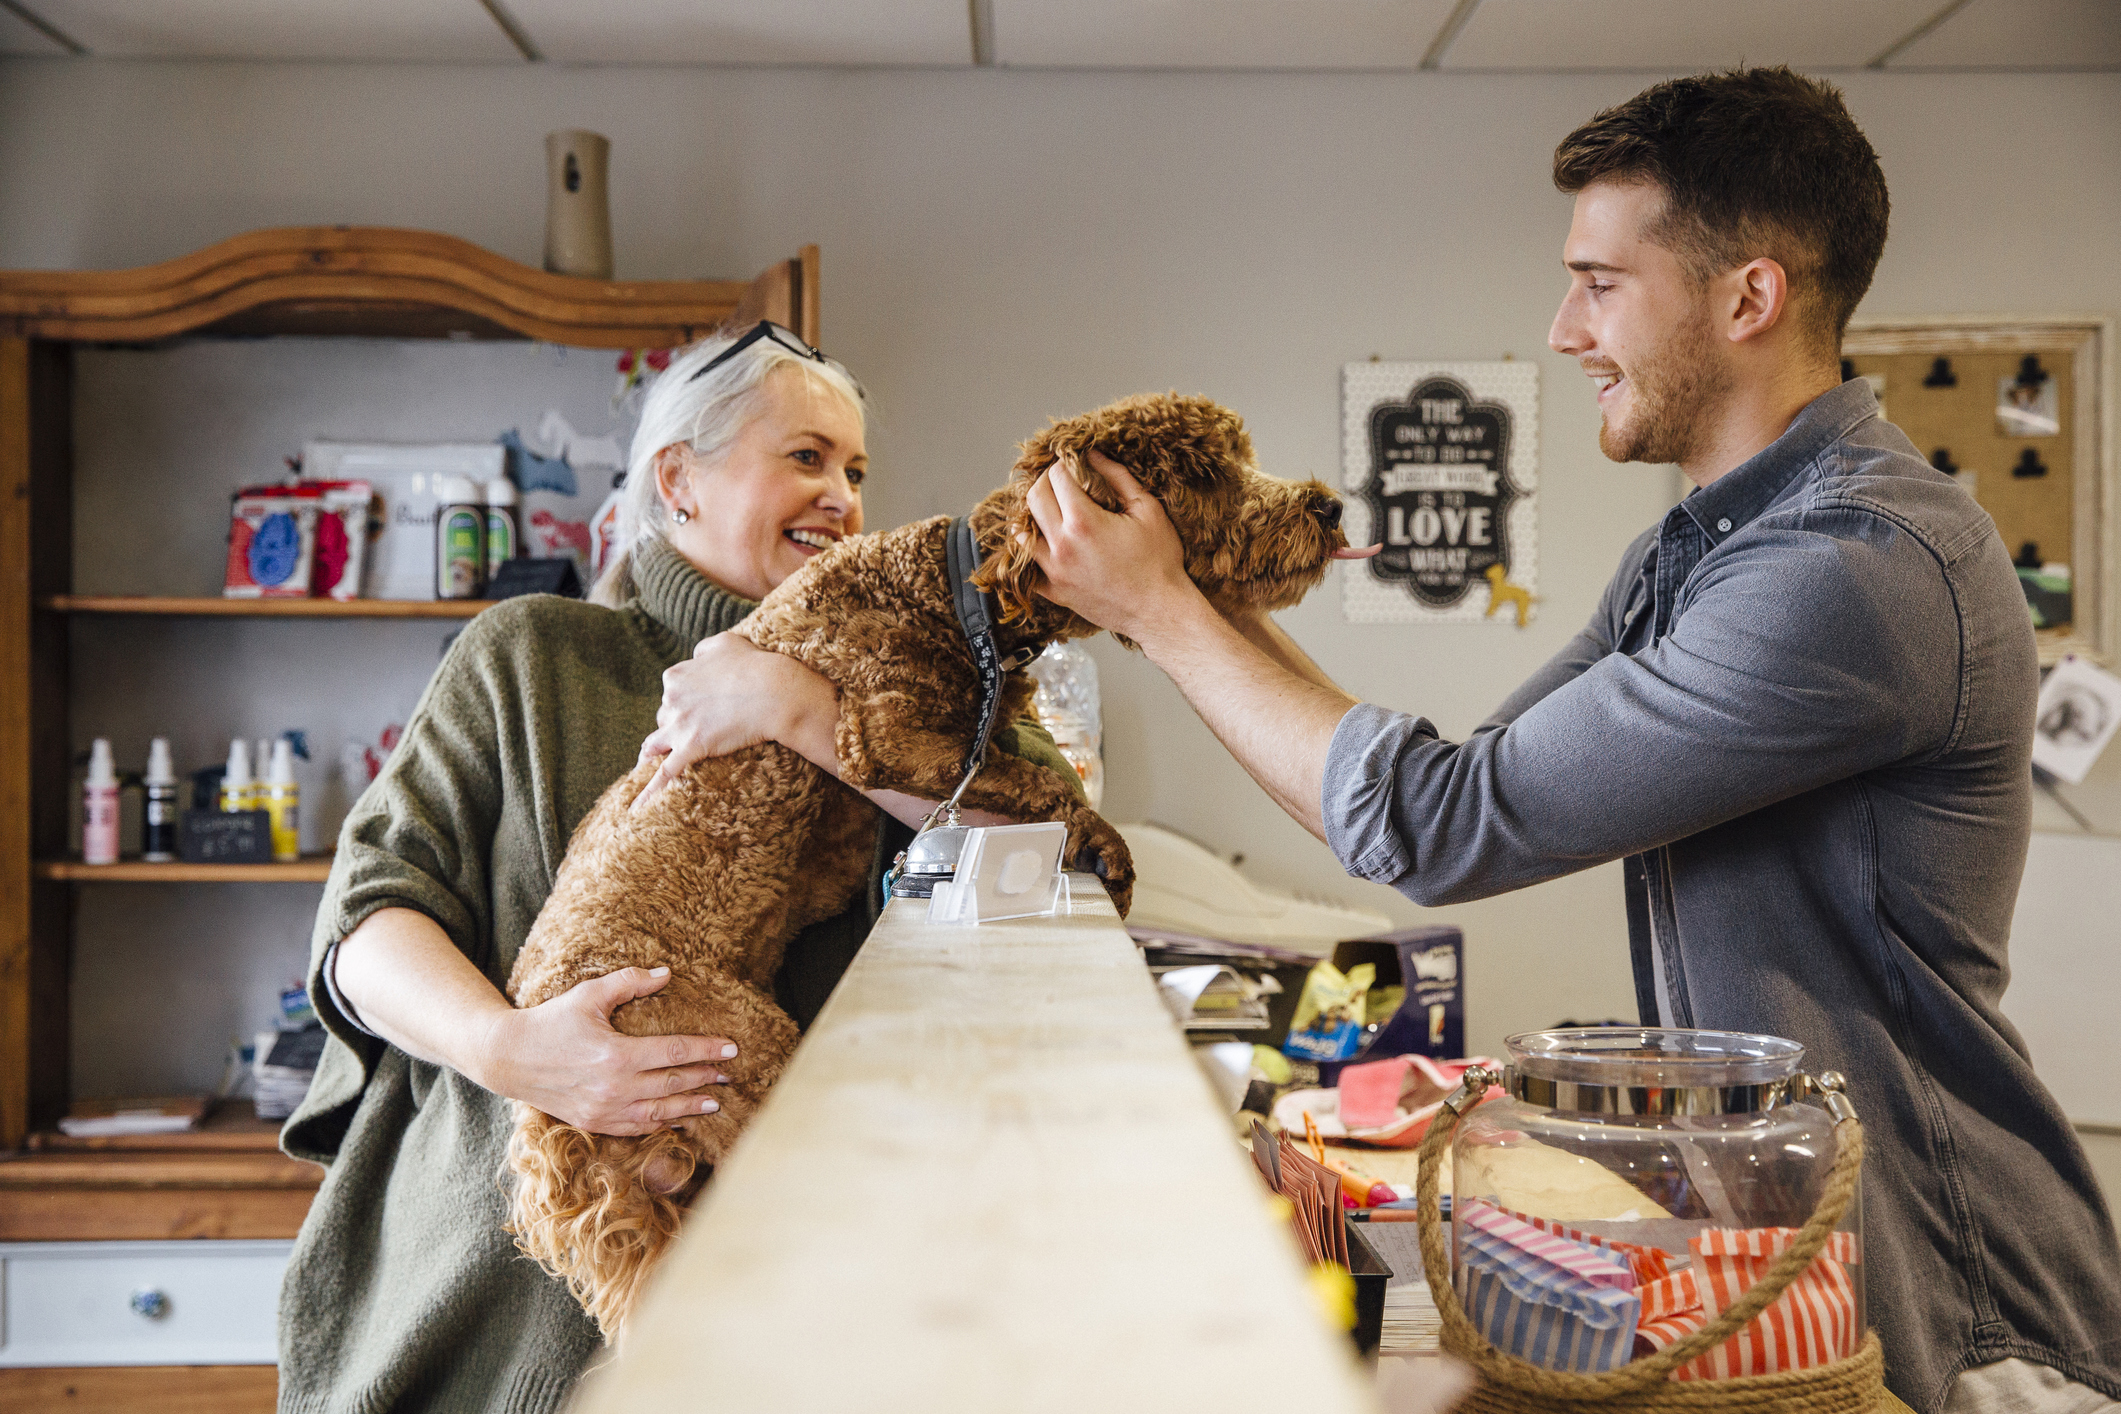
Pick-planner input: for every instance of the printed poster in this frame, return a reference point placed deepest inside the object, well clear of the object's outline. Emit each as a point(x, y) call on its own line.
point(1440, 464)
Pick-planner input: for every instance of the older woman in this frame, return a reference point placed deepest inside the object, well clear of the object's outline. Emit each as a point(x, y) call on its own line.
point(403, 1291)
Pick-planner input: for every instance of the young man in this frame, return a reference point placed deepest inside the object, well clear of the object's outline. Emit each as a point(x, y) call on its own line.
point(1802, 713)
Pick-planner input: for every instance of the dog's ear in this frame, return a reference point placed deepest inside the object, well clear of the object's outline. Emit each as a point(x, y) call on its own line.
point(1010, 573)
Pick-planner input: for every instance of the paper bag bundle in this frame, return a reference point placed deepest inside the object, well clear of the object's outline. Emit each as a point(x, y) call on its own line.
point(1559, 1304)
point(1812, 1323)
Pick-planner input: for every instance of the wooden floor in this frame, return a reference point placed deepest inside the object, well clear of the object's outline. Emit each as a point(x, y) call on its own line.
point(163, 1389)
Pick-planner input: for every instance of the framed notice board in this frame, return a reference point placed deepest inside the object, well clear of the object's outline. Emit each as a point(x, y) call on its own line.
point(2019, 410)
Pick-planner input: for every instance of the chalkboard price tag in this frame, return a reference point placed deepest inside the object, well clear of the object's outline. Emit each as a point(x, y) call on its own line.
point(225, 837)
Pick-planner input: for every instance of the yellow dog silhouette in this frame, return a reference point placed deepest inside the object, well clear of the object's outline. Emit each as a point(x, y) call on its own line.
point(1501, 592)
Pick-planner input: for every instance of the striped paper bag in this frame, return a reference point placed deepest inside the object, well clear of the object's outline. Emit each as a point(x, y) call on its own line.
point(1555, 1303)
point(1647, 1263)
point(1812, 1323)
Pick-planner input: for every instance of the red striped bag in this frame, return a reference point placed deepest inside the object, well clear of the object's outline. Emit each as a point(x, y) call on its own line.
point(1812, 1323)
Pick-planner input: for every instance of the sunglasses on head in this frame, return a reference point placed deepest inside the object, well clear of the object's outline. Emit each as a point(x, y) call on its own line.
point(764, 329)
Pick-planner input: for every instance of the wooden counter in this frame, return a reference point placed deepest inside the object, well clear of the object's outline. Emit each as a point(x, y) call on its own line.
point(992, 1179)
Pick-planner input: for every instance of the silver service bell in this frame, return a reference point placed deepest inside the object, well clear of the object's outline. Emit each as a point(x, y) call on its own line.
point(933, 855)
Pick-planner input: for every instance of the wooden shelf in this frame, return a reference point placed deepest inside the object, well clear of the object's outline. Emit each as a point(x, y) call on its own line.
point(268, 608)
point(313, 869)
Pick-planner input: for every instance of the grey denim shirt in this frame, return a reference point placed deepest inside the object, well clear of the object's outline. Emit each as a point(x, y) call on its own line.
point(1803, 715)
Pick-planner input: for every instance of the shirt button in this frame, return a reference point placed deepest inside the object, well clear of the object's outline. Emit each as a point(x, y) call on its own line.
point(1723, 527)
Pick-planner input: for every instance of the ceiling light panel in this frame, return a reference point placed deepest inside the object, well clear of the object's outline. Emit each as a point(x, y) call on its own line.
point(17, 38)
point(1683, 35)
point(2021, 34)
point(1216, 34)
point(452, 31)
point(883, 32)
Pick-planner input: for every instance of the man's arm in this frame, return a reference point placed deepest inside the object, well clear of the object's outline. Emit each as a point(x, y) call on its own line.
point(1268, 703)
point(1770, 685)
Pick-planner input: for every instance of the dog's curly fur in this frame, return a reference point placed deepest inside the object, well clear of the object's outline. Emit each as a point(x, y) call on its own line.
point(722, 870)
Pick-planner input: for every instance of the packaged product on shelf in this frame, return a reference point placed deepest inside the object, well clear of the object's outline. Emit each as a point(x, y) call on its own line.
point(343, 511)
point(399, 560)
point(1328, 1025)
point(271, 539)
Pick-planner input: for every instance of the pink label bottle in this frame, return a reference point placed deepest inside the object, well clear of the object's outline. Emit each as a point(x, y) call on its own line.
point(99, 807)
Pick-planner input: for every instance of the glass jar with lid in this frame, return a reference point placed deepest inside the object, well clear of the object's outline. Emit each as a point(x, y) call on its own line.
point(1670, 1151)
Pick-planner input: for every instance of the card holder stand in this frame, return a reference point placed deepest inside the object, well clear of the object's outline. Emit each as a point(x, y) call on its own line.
point(1005, 871)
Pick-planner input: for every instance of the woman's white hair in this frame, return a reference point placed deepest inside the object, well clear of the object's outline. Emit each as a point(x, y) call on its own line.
point(705, 414)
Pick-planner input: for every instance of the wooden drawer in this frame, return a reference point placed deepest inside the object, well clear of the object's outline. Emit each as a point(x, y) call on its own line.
point(139, 1303)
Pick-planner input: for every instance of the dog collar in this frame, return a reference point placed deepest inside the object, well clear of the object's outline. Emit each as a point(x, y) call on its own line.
point(977, 613)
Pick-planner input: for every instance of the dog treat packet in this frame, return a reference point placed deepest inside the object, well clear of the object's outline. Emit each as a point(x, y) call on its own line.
point(1556, 1303)
point(1328, 1025)
point(271, 539)
point(1812, 1323)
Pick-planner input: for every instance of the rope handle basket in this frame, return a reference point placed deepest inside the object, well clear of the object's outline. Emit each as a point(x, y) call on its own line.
point(1509, 1385)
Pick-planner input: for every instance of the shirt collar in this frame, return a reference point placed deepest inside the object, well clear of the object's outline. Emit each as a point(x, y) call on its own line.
point(1726, 505)
point(669, 589)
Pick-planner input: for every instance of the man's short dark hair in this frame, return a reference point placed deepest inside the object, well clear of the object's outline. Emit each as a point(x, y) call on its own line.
point(1753, 162)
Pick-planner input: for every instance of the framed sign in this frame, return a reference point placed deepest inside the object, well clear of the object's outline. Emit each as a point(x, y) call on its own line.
point(1440, 463)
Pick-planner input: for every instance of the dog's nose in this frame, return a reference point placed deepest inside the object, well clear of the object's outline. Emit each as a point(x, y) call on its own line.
point(1328, 512)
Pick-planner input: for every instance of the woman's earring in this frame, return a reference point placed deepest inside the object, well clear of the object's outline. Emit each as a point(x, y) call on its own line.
point(680, 515)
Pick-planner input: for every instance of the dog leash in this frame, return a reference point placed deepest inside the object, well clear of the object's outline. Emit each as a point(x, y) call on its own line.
point(977, 613)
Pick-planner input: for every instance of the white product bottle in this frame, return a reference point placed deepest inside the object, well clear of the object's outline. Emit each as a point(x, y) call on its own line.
point(238, 790)
point(158, 833)
point(500, 525)
point(283, 803)
point(99, 807)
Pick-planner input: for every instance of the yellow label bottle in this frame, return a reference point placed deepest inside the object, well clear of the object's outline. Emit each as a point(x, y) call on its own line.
point(283, 803)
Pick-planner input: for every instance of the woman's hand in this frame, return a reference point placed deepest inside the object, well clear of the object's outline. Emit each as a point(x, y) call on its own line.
point(730, 695)
point(565, 1058)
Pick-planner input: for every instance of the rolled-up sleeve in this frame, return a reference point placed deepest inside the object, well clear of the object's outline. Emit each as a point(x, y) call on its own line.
point(1803, 654)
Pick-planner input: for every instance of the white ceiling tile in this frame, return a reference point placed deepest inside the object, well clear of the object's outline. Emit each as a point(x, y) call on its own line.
point(456, 31)
point(1665, 36)
point(749, 31)
point(2021, 34)
point(1216, 34)
point(18, 38)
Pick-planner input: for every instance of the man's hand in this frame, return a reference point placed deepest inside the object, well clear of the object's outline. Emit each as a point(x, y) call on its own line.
point(565, 1058)
point(730, 695)
point(1125, 570)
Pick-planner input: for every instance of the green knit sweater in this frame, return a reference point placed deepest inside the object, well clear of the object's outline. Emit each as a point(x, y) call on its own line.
point(403, 1292)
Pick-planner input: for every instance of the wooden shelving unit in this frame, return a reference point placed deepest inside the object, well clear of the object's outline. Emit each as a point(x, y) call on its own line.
point(265, 608)
point(311, 870)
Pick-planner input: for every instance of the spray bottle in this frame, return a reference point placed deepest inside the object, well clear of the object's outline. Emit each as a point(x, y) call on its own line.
point(99, 807)
point(238, 790)
point(283, 803)
point(158, 832)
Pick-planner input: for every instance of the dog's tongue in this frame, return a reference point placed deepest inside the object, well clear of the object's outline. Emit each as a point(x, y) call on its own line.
point(1347, 553)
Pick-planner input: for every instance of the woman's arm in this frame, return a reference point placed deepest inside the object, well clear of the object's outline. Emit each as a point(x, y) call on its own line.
point(411, 985)
point(732, 694)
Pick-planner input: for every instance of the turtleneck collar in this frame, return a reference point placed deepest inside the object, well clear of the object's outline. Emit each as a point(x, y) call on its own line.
point(671, 591)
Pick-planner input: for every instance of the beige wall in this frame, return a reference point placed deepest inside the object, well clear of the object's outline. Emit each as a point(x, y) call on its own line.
point(1003, 246)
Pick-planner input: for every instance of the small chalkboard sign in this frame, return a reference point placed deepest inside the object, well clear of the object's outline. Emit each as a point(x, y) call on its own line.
point(225, 837)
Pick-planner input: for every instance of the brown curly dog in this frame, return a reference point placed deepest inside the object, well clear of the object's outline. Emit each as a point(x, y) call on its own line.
point(714, 878)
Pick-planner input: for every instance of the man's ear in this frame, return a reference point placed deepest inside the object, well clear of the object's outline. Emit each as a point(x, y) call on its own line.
point(1762, 295)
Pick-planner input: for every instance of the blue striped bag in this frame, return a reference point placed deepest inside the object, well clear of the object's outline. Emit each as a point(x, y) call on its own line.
point(1538, 1309)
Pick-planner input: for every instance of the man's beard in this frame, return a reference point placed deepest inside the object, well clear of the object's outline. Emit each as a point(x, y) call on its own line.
point(1676, 392)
